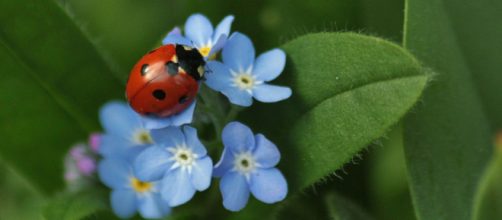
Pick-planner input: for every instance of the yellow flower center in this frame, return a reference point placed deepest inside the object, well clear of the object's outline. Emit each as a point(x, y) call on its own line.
point(143, 137)
point(140, 186)
point(244, 81)
point(204, 51)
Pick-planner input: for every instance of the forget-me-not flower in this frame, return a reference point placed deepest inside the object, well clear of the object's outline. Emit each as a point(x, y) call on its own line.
point(179, 160)
point(240, 77)
point(199, 33)
point(124, 133)
point(247, 166)
point(184, 117)
point(130, 195)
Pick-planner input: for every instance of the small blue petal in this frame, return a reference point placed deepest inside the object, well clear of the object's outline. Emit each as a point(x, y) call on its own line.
point(175, 30)
point(270, 93)
point(114, 173)
point(238, 137)
point(117, 147)
point(119, 119)
point(218, 45)
point(268, 185)
point(151, 205)
point(225, 164)
point(168, 137)
point(193, 141)
point(176, 39)
point(199, 29)
point(201, 173)
point(218, 77)
point(184, 117)
point(266, 153)
point(238, 53)
point(176, 187)
point(152, 164)
point(123, 203)
point(238, 96)
point(235, 191)
point(269, 65)
point(223, 28)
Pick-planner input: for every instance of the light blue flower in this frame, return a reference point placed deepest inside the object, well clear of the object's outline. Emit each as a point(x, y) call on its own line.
point(130, 195)
point(179, 160)
point(199, 33)
point(240, 77)
point(247, 166)
point(124, 134)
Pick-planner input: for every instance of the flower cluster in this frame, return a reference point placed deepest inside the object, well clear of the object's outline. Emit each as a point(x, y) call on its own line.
point(153, 164)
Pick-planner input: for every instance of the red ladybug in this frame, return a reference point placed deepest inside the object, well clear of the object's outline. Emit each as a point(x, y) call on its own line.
point(165, 81)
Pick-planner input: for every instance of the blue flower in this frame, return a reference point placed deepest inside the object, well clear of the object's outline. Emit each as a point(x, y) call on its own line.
point(129, 194)
point(240, 77)
point(199, 32)
point(124, 135)
point(248, 165)
point(179, 160)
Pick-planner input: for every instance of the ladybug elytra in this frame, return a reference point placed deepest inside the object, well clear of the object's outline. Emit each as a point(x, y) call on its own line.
point(165, 81)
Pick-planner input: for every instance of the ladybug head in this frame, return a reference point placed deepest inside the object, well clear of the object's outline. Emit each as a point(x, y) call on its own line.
point(191, 61)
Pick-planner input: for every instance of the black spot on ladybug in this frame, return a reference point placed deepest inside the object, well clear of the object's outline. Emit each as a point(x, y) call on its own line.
point(183, 99)
point(144, 69)
point(190, 61)
point(159, 94)
point(172, 68)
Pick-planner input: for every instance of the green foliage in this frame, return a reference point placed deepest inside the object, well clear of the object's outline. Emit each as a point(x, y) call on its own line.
point(75, 206)
point(341, 208)
point(59, 82)
point(348, 90)
point(448, 139)
point(490, 194)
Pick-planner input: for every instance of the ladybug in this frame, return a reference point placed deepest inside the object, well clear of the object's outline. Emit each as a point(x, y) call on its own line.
point(165, 81)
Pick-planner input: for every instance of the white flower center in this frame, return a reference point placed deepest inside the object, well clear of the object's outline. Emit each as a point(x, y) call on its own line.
point(183, 157)
point(142, 136)
point(245, 163)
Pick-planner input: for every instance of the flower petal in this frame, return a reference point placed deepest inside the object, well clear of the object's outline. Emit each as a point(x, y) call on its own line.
point(199, 29)
point(176, 39)
point(123, 203)
point(218, 76)
point(152, 164)
point(193, 141)
point(223, 28)
point(238, 137)
point(151, 205)
point(266, 153)
point(184, 117)
point(234, 190)
point(168, 137)
point(238, 96)
point(217, 45)
point(268, 185)
point(176, 187)
point(270, 93)
point(114, 173)
point(238, 53)
point(201, 173)
point(269, 65)
point(225, 164)
point(119, 119)
point(175, 30)
point(117, 147)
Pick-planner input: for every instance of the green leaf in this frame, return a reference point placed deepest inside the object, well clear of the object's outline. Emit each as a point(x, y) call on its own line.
point(447, 141)
point(348, 89)
point(75, 206)
point(489, 198)
point(340, 208)
point(53, 82)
